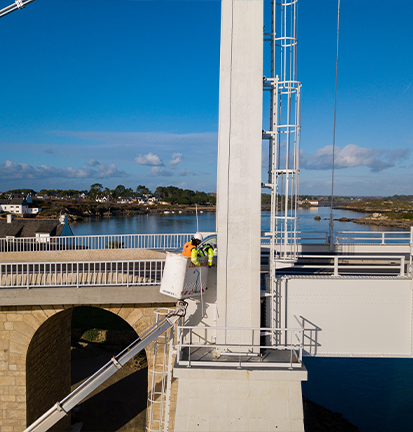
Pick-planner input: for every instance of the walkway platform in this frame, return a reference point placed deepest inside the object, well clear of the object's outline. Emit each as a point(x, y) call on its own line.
point(266, 358)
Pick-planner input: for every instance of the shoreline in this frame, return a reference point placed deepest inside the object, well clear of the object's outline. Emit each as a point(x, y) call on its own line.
point(382, 217)
point(379, 222)
point(77, 212)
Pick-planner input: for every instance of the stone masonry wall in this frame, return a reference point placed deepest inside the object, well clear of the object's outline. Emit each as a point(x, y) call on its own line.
point(18, 325)
point(48, 367)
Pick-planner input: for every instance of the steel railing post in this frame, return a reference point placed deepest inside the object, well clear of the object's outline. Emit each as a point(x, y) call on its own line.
point(402, 266)
point(411, 244)
point(336, 266)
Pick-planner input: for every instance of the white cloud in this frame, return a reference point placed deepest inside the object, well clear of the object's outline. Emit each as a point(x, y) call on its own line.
point(149, 159)
point(352, 156)
point(93, 162)
point(13, 170)
point(185, 172)
point(176, 159)
point(160, 172)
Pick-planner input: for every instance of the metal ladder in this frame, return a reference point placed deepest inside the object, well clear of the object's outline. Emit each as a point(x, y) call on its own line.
point(160, 374)
point(284, 143)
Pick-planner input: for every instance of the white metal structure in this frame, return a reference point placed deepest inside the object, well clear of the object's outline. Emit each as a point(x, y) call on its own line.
point(350, 316)
point(160, 376)
point(81, 273)
point(284, 132)
point(284, 141)
point(199, 347)
point(177, 241)
point(96, 242)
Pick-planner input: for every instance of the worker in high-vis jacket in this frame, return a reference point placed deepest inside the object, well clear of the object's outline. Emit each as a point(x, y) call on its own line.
point(208, 251)
point(191, 248)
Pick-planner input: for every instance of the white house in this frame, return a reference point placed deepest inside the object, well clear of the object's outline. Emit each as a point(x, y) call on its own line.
point(102, 199)
point(18, 234)
point(17, 206)
point(141, 200)
point(125, 200)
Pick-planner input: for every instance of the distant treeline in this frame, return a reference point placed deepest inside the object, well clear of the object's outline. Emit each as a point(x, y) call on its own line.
point(176, 195)
point(170, 194)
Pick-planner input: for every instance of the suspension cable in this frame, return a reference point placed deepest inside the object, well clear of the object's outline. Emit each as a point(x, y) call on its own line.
point(331, 225)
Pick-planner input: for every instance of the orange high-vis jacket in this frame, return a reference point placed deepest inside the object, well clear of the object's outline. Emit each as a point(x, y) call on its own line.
point(187, 249)
point(190, 250)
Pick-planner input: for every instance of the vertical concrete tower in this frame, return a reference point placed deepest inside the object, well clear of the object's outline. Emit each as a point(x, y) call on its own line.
point(239, 163)
point(222, 396)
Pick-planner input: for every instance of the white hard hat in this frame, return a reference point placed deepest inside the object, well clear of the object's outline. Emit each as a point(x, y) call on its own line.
point(198, 236)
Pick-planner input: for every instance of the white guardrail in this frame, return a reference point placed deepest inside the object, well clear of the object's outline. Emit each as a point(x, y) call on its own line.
point(376, 237)
point(342, 263)
point(150, 271)
point(177, 241)
point(347, 237)
point(96, 242)
point(81, 273)
point(240, 347)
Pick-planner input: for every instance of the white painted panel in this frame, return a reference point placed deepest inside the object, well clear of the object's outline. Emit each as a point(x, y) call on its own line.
point(353, 317)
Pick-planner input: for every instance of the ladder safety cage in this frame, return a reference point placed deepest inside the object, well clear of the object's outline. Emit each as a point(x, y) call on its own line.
point(284, 131)
point(284, 143)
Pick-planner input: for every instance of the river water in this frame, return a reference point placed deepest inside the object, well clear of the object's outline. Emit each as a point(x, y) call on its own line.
point(374, 394)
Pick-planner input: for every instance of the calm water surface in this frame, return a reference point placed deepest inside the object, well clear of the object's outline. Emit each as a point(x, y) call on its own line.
point(186, 223)
point(374, 394)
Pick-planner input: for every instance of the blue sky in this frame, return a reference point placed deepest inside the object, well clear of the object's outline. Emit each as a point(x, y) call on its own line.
point(126, 92)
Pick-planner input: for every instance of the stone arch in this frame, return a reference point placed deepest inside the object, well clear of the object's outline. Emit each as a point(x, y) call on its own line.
point(122, 400)
point(139, 317)
point(142, 317)
point(48, 367)
point(18, 326)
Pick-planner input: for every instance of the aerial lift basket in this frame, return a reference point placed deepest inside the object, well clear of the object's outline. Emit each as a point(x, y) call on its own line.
point(182, 279)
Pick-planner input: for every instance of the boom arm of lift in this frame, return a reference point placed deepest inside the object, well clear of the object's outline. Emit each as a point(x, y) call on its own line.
point(62, 408)
point(18, 4)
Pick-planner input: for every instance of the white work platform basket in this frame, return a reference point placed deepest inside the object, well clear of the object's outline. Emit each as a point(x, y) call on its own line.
point(182, 279)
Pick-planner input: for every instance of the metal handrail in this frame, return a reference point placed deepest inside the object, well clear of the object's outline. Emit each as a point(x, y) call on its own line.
point(336, 258)
point(316, 236)
point(96, 242)
point(177, 241)
point(81, 273)
point(347, 237)
point(384, 237)
point(251, 348)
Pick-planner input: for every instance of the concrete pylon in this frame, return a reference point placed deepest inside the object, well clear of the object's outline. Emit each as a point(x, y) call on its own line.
point(239, 163)
point(248, 399)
